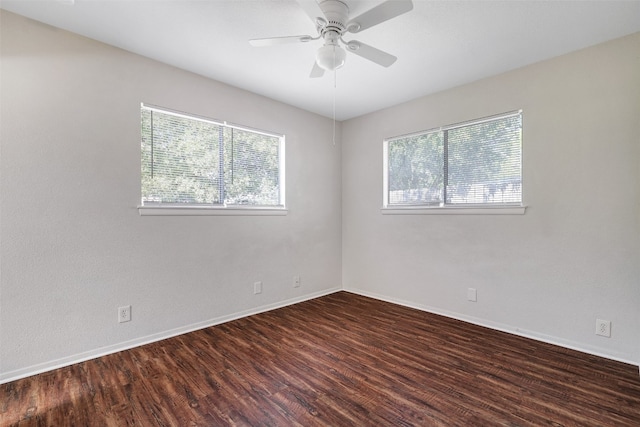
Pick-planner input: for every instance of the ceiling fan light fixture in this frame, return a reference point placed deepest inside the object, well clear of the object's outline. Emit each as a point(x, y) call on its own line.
point(331, 57)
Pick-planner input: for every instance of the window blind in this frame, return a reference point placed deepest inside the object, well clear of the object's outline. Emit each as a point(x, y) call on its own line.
point(253, 168)
point(180, 159)
point(190, 160)
point(484, 162)
point(475, 163)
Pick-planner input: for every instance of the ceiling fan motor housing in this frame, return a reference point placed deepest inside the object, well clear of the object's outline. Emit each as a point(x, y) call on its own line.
point(337, 14)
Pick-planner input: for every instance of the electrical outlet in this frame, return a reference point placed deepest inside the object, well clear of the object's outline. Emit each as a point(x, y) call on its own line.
point(296, 281)
point(472, 295)
point(124, 314)
point(603, 328)
point(257, 288)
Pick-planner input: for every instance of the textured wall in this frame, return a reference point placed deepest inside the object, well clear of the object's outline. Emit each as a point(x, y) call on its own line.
point(74, 247)
point(573, 257)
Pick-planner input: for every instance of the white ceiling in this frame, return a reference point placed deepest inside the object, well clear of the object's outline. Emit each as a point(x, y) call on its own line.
point(439, 44)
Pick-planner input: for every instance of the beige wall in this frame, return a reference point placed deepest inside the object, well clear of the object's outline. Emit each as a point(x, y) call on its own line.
point(73, 245)
point(573, 257)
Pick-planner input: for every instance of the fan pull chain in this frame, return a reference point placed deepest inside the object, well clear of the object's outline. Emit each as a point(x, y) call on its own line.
point(335, 73)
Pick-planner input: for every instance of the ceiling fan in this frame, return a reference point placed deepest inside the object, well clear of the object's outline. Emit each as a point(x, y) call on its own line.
point(331, 18)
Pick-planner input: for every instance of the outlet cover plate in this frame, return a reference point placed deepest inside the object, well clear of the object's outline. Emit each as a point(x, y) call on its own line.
point(124, 314)
point(603, 328)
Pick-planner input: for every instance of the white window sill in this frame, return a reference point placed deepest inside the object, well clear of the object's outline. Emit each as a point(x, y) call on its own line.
point(454, 210)
point(211, 211)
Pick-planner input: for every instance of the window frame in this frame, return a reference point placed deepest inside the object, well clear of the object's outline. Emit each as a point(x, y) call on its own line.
point(223, 209)
point(444, 207)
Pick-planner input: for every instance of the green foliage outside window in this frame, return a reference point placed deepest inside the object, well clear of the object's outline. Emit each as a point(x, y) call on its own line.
point(415, 169)
point(192, 161)
point(477, 163)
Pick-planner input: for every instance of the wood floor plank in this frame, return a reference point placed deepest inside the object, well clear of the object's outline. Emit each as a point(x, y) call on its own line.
point(339, 360)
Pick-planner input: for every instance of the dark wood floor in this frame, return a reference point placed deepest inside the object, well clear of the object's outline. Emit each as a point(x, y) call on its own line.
point(340, 360)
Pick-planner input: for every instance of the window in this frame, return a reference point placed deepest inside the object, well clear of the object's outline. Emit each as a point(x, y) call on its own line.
point(475, 164)
point(190, 161)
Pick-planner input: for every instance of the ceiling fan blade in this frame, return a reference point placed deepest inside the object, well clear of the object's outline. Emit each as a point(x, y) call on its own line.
point(371, 53)
point(382, 12)
point(279, 40)
point(316, 71)
point(313, 11)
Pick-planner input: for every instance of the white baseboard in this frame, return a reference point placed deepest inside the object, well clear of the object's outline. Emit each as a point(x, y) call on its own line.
point(126, 345)
point(624, 358)
point(103, 351)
